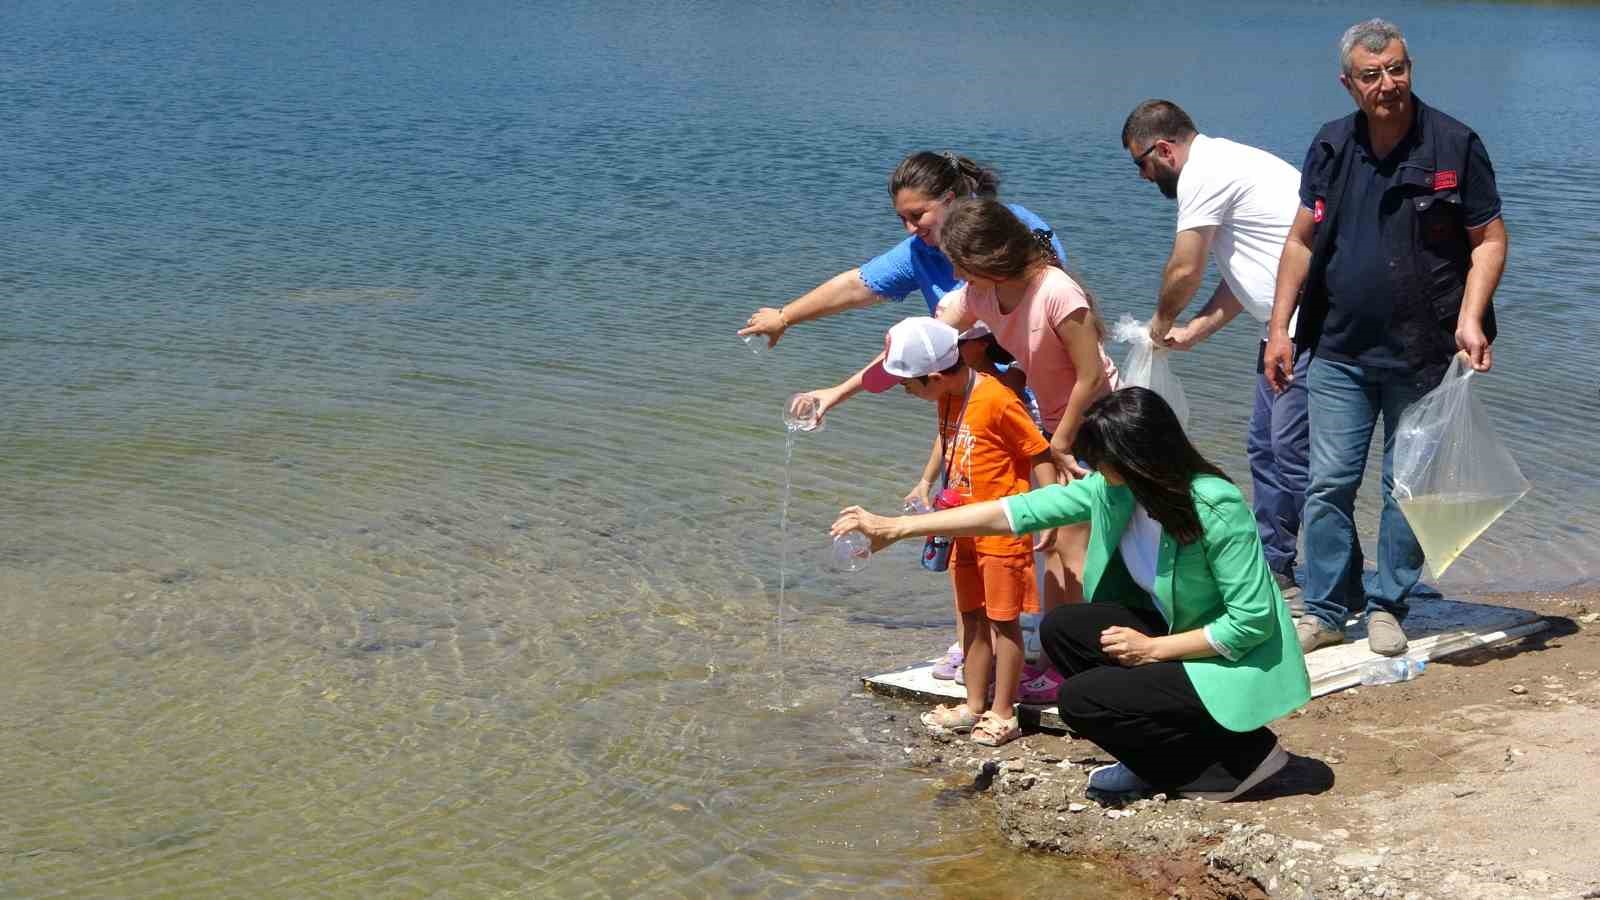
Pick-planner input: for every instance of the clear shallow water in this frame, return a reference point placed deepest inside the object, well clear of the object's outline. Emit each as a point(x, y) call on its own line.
point(390, 509)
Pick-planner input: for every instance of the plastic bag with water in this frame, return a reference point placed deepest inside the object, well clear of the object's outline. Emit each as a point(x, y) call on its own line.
point(1452, 475)
point(1147, 366)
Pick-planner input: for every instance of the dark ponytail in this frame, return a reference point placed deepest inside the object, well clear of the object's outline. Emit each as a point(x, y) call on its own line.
point(936, 174)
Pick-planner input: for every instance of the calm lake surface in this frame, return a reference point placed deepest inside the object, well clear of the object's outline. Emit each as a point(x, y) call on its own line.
point(390, 511)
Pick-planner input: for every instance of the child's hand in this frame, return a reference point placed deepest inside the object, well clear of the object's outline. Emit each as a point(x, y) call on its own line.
point(1067, 467)
point(1044, 540)
point(919, 494)
point(825, 399)
point(878, 529)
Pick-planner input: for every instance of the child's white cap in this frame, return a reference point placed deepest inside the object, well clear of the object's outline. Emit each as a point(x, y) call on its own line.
point(913, 347)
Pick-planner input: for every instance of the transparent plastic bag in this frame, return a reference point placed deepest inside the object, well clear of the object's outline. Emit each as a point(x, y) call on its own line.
point(1147, 365)
point(1452, 475)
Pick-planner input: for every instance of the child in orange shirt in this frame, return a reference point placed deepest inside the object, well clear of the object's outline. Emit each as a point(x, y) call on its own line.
point(988, 447)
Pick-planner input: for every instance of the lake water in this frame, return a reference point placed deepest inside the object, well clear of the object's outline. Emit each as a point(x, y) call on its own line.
point(390, 511)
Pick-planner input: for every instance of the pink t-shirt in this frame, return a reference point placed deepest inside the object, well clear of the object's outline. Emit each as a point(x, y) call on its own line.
point(1029, 333)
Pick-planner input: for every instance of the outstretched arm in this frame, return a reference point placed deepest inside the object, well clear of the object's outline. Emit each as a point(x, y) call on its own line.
point(843, 291)
point(828, 398)
point(1217, 312)
point(968, 520)
point(1186, 268)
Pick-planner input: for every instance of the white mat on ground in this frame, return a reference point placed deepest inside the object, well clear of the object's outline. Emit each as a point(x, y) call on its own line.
point(1437, 628)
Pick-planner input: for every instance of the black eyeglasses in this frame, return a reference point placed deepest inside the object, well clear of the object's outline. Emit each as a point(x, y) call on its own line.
point(1138, 161)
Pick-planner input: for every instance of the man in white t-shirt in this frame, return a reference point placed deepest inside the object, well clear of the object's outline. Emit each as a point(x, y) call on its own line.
point(1235, 203)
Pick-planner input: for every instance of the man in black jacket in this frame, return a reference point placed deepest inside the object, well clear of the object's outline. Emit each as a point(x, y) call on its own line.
point(1398, 247)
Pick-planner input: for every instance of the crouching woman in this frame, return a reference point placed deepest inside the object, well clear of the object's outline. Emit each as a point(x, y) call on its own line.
point(1185, 650)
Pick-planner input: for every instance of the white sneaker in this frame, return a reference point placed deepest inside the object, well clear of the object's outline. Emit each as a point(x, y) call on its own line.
point(1117, 779)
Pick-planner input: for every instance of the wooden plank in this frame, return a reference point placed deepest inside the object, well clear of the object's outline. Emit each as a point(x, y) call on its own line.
point(1437, 628)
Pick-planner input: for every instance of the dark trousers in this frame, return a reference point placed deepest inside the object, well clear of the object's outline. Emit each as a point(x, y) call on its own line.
point(1148, 717)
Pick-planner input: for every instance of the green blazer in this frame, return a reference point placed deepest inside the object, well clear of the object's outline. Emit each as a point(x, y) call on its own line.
point(1220, 583)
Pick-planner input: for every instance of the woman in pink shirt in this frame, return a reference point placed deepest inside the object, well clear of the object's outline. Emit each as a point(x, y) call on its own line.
point(1044, 318)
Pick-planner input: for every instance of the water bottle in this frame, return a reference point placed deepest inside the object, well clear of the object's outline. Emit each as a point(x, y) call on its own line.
point(851, 551)
point(757, 343)
point(1389, 671)
point(803, 413)
point(915, 507)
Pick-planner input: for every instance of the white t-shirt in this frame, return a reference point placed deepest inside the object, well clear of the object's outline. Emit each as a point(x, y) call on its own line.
point(1141, 549)
point(1251, 197)
point(1141, 554)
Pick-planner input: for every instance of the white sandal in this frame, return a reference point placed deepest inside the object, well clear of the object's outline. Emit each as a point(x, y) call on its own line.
point(993, 731)
point(958, 719)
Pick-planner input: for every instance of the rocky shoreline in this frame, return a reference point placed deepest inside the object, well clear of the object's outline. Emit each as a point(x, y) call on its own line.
point(1472, 782)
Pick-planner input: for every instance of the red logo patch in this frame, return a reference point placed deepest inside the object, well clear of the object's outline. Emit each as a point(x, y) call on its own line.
point(1318, 211)
point(1444, 181)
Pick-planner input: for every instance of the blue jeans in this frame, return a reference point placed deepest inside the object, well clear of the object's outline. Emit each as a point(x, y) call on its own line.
point(1278, 447)
point(1346, 402)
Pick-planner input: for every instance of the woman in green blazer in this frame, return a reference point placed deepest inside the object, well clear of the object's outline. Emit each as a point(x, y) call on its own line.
point(1185, 650)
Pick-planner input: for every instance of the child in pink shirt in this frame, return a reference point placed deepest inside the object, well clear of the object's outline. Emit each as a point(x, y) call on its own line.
point(1044, 318)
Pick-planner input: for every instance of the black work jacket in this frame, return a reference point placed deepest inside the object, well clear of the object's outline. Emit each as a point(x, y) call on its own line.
point(1434, 263)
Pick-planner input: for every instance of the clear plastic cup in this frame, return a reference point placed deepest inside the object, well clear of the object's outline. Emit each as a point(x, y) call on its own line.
point(803, 412)
point(851, 551)
point(757, 343)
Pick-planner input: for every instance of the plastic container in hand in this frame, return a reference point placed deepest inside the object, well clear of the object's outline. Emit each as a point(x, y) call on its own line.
point(803, 412)
point(757, 343)
point(1391, 670)
point(915, 507)
point(851, 551)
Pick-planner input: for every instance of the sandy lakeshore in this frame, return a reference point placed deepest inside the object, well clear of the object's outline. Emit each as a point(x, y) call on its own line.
point(1474, 781)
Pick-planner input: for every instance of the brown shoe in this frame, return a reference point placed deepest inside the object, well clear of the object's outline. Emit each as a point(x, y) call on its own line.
point(1384, 635)
point(1313, 634)
point(1292, 594)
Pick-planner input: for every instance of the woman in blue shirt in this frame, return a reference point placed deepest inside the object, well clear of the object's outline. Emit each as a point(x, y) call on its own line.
point(922, 188)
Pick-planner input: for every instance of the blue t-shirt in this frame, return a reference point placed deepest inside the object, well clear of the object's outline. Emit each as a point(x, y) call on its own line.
point(912, 265)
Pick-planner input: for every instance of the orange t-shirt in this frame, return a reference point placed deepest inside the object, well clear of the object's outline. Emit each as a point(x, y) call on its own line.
point(989, 445)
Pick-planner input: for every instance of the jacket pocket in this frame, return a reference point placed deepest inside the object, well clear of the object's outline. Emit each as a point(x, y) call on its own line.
point(1441, 252)
point(1440, 222)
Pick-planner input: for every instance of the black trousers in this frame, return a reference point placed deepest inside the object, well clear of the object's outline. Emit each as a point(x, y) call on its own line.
point(1148, 717)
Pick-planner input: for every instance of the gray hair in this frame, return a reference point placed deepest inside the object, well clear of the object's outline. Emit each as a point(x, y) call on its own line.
point(1372, 35)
